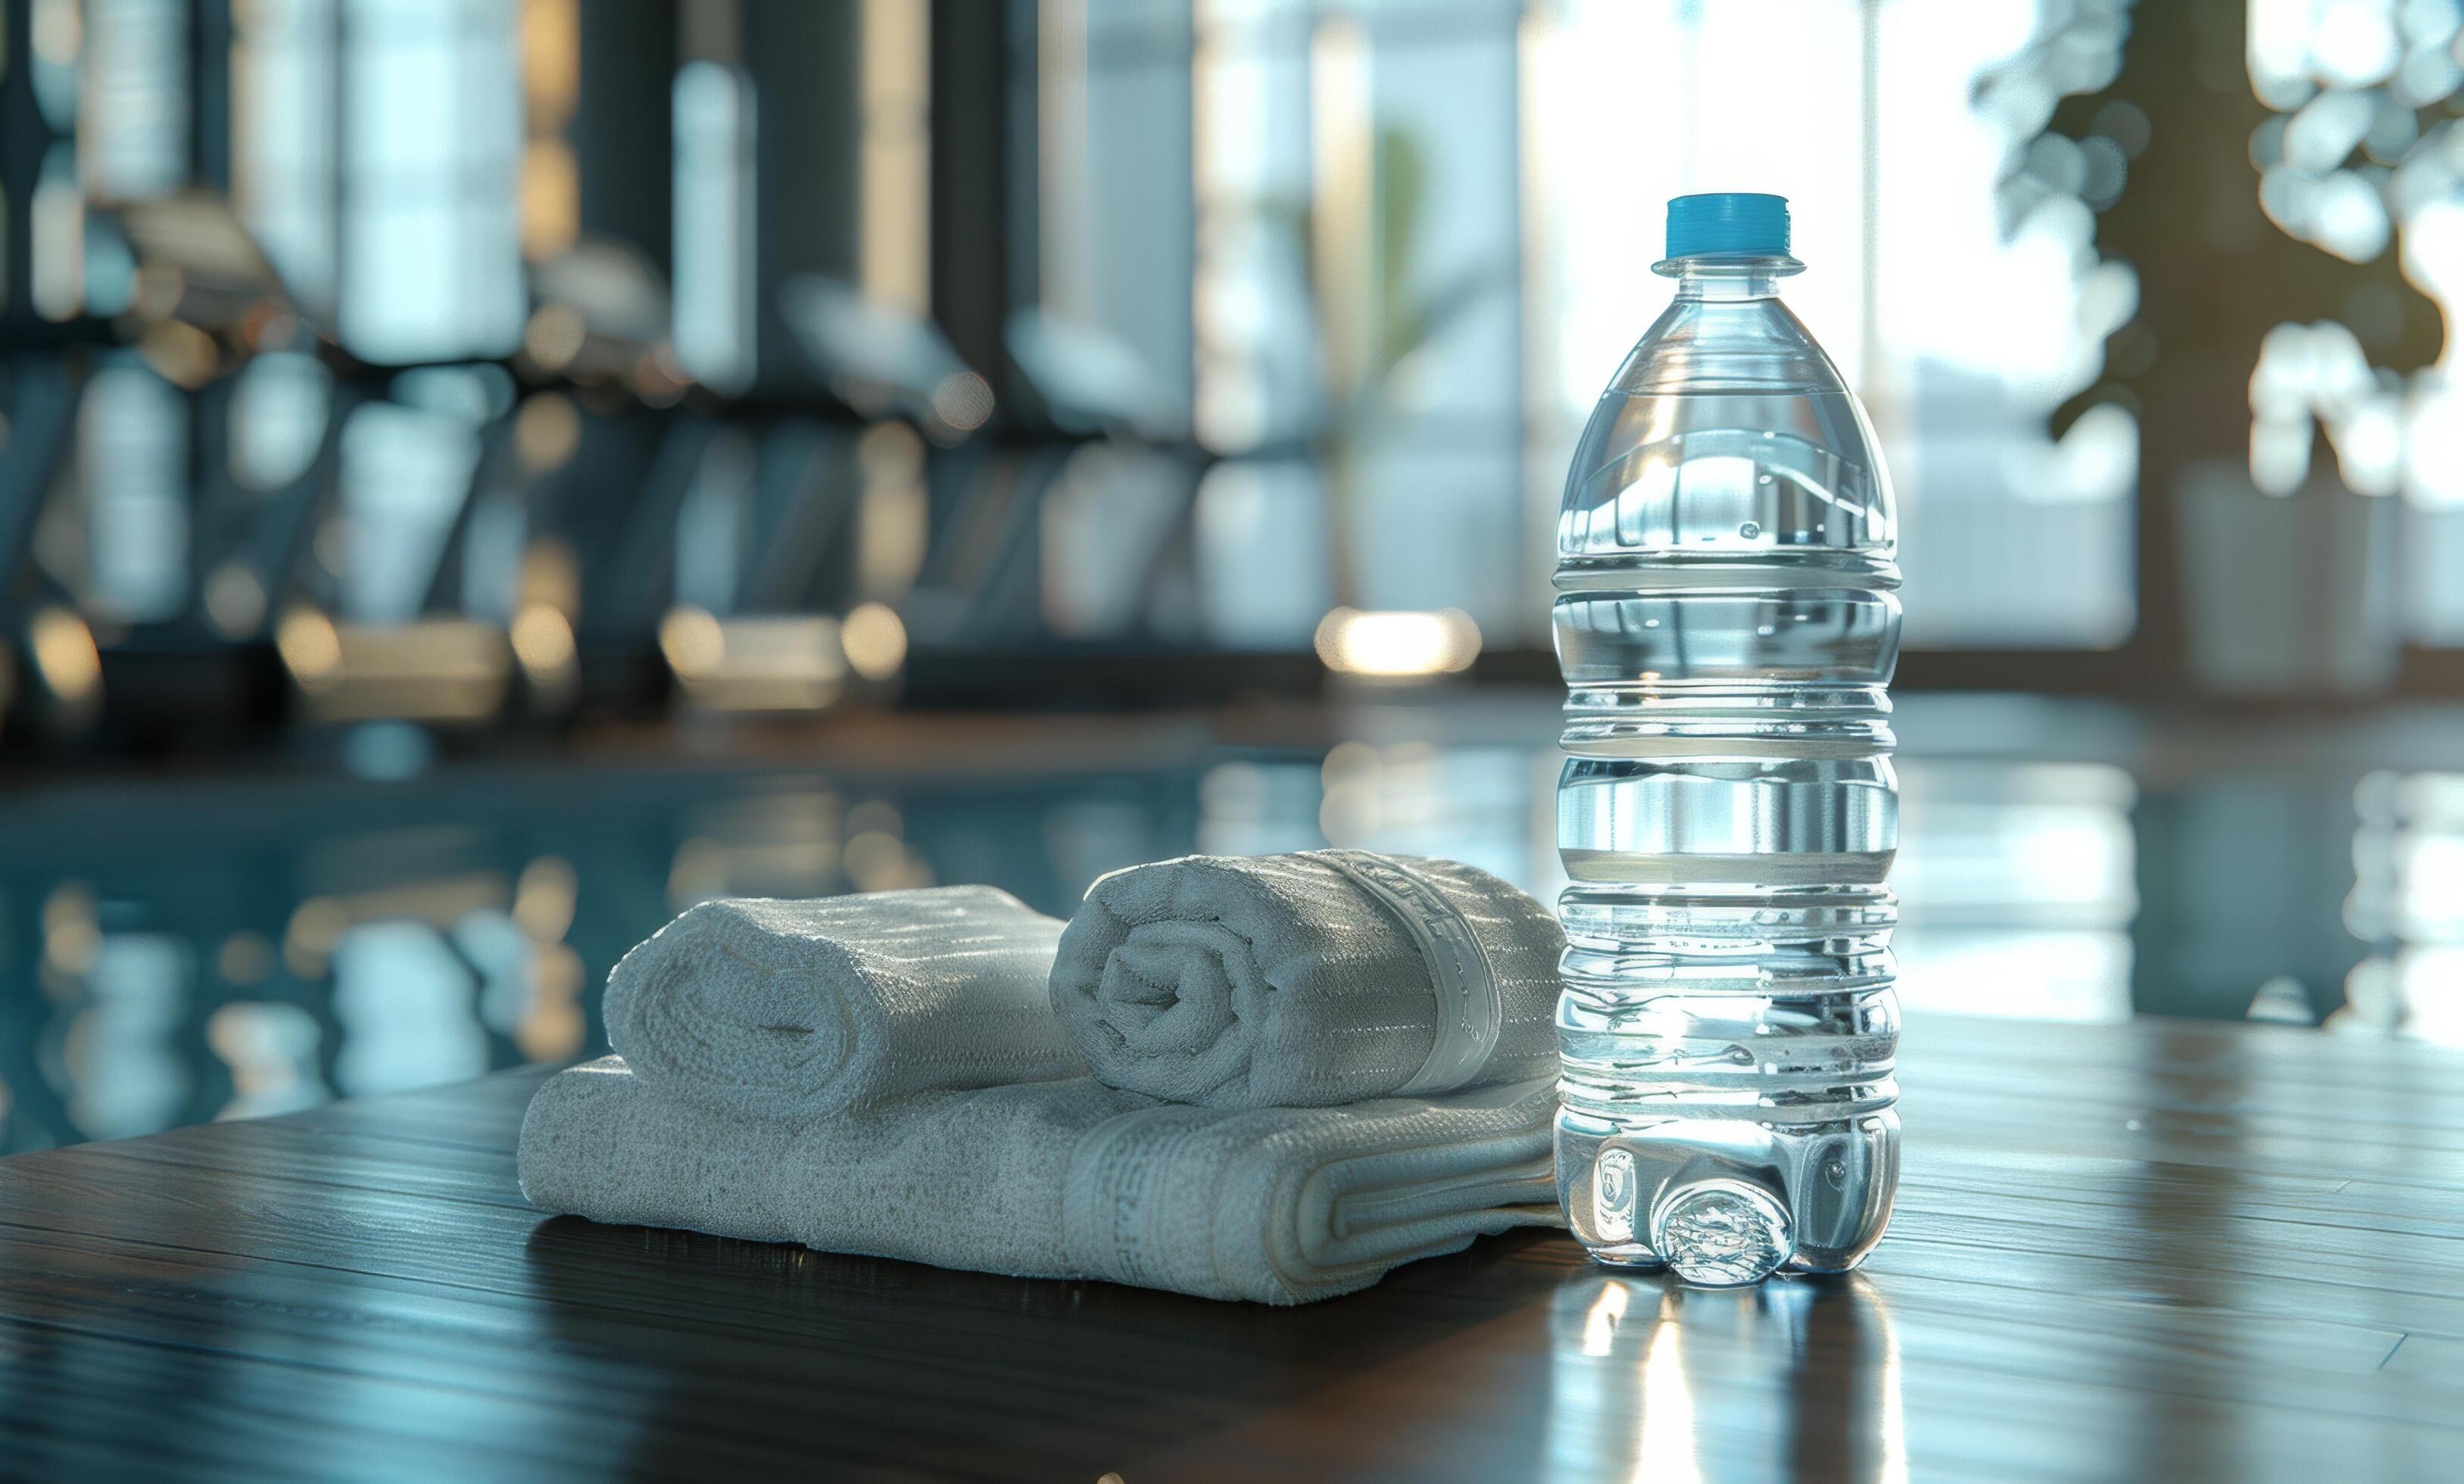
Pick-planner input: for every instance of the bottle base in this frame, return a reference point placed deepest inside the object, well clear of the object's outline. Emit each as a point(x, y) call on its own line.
point(1726, 1202)
point(1722, 1232)
point(1630, 1256)
point(1635, 1257)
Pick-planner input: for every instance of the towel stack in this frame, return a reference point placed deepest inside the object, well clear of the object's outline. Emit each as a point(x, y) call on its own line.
point(1305, 1070)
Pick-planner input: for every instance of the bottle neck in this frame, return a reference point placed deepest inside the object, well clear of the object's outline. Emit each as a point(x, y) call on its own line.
point(1729, 280)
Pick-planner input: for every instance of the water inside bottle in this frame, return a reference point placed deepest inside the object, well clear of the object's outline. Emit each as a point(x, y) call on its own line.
point(1727, 623)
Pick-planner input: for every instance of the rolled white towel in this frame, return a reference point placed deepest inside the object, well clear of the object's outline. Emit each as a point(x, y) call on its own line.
point(804, 1008)
point(1068, 1179)
point(1307, 980)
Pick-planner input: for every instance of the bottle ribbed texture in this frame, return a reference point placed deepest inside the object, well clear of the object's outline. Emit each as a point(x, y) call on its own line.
point(1727, 621)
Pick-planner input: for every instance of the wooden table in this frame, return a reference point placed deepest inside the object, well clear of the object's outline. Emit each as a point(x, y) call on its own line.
point(2157, 1248)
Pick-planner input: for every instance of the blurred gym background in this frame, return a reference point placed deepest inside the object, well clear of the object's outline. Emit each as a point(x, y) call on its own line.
point(480, 476)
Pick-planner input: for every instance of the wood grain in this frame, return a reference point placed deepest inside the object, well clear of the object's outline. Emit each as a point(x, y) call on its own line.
point(2152, 1249)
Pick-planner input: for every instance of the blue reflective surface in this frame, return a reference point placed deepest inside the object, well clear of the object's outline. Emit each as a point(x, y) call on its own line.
point(178, 949)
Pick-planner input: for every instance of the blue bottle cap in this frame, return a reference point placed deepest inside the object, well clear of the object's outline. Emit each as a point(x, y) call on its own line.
point(1739, 223)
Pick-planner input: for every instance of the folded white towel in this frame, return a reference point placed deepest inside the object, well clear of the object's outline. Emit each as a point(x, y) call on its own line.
point(804, 1008)
point(1307, 980)
point(1067, 1179)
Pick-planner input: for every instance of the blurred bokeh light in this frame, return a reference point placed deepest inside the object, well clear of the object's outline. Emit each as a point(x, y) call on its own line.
point(479, 476)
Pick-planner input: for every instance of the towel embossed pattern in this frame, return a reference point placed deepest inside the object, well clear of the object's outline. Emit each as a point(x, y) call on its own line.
point(1307, 980)
point(794, 1096)
point(796, 1007)
point(1067, 1180)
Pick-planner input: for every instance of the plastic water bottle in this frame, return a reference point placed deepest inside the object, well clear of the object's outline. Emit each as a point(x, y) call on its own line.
point(1727, 624)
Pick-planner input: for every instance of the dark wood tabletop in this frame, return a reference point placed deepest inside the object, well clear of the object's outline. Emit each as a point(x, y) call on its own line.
point(2156, 1249)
